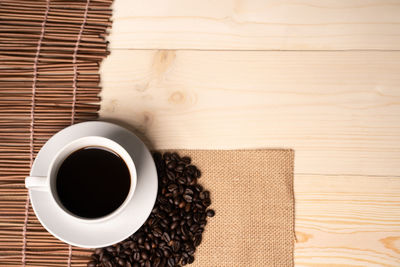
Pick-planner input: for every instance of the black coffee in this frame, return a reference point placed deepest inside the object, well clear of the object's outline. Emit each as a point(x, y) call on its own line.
point(92, 182)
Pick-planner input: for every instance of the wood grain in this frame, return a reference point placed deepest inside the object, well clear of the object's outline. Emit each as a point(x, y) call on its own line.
point(340, 111)
point(347, 220)
point(257, 24)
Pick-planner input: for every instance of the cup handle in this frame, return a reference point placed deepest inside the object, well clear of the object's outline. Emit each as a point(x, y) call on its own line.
point(36, 183)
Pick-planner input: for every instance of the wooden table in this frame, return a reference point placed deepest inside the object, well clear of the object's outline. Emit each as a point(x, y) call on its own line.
point(321, 77)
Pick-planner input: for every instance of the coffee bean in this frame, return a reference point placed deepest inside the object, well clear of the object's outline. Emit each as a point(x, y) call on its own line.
point(196, 217)
point(198, 188)
point(166, 253)
point(197, 173)
point(187, 207)
point(171, 176)
point(157, 232)
point(182, 204)
point(176, 218)
point(194, 228)
point(163, 224)
point(188, 191)
point(174, 225)
point(171, 262)
point(206, 202)
point(127, 243)
point(189, 179)
point(203, 223)
point(197, 239)
point(172, 187)
point(193, 182)
point(186, 160)
point(180, 168)
point(199, 206)
point(210, 213)
point(184, 230)
point(144, 255)
point(136, 256)
point(121, 262)
point(161, 214)
point(176, 246)
point(171, 165)
point(156, 262)
point(188, 247)
point(92, 264)
point(177, 258)
point(166, 237)
point(181, 189)
point(110, 249)
point(181, 180)
point(105, 258)
point(190, 259)
point(175, 156)
point(191, 169)
point(187, 198)
point(95, 257)
point(166, 156)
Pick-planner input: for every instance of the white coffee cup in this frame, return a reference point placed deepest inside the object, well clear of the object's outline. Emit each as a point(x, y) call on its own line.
point(48, 183)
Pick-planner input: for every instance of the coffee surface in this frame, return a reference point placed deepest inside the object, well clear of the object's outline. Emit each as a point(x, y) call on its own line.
point(92, 182)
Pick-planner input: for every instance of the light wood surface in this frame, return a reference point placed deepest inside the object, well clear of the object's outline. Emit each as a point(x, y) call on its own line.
point(257, 24)
point(339, 110)
point(347, 220)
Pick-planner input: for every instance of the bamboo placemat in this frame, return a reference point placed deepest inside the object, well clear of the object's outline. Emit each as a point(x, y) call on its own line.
point(50, 52)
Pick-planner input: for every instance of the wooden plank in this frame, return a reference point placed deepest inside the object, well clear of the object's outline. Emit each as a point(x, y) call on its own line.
point(347, 220)
point(340, 111)
point(256, 24)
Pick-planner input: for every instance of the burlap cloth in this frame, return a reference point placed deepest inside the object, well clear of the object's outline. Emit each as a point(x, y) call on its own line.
point(252, 194)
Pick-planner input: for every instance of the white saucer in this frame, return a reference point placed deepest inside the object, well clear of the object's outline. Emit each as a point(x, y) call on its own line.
point(117, 228)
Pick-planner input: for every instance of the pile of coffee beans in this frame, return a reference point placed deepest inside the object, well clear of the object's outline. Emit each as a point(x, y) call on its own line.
point(174, 229)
